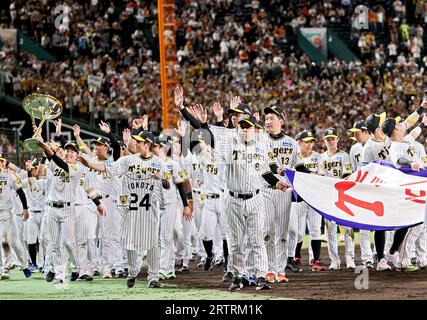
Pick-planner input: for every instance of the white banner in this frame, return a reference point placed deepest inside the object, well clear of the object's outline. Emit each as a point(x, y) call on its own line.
point(94, 82)
point(317, 37)
point(376, 197)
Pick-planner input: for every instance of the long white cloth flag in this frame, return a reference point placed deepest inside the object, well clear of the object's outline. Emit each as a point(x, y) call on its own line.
point(376, 197)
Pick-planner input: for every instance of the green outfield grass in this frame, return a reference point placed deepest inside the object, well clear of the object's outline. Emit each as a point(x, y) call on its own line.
point(20, 288)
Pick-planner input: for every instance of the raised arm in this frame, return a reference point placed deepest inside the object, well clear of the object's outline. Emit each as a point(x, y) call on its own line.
point(58, 131)
point(80, 142)
point(105, 127)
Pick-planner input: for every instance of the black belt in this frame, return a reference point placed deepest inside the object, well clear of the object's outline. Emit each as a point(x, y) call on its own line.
point(35, 211)
point(212, 196)
point(59, 204)
point(244, 196)
point(198, 192)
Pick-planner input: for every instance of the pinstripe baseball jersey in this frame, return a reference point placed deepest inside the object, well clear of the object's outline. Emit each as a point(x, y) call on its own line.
point(213, 173)
point(195, 171)
point(422, 153)
point(356, 156)
point(143, 192)
point(35, 194)
point(174, 174)
point(336, 165)
point(313, 162)
point(102, 180)
point(376, 150)
point(283, 151)
point(244, 163)
point(8, 185)
point(404, 149)
point(117, 188)
point(220, 134)
point(64, 184)
point(83, 185)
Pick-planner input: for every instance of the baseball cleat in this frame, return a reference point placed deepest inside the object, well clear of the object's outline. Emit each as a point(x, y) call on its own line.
point(85, 277)
point(383, 265)
point(410, 268)
point(74, 276)
point(171, 275)
point(293, 266)
point(50, 276)
point(394, 259)
point(5, 275)
point(130, 282)
point(107, 275)
point(162, 276)
point(281, 278)
point(334, 265)
point(228, 277)
point(96, 273)
point(262, 284)
point(201, 263)
point(34, 268)
point(207, 266)
point(184, 269)
point(154, 284)
point(317, 266)
point(368, 264)
point(235, 285)
point(350, 263)
point(27, 272)
point(270, 277)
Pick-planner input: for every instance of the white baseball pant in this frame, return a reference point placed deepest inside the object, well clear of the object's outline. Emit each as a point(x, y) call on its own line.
point(405, 249)
point(61, 225)
point(86, 220)
point(332, 228)
point(167, 222)
point(153, 261)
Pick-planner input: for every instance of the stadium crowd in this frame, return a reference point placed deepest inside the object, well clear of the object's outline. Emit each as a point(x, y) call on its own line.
point(224, 48)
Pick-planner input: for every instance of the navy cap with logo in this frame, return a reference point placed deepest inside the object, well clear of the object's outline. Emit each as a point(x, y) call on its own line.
point(375, 121)
point(305, 135)
point(103, 141)
point(359, 126)
point(73, 145)
point(389, 125)
point(330, 132)
point(241, 108)
point(276, 110)
point(144, 136)
point(249, 119)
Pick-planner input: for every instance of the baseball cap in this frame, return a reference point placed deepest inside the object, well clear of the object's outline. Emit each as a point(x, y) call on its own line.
point(248, 118)
point(260, 124)
point(389, 125)
point(353, 139)
point(330, 132)
point(144, 136)
point(103, 141)
point(242, 108)
point(73, 145)
point(305, 135)
point(358, 126)
point(374, 121)
point(274, 109)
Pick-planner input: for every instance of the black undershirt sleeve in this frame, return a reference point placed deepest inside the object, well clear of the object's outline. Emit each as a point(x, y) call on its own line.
point(182, 194)
point(22, 197)
point(60, 163)
point(404, 162)
point(270, 178)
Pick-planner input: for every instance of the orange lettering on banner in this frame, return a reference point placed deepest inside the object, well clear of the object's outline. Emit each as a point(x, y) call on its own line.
point(376, 207)
point(414, 197)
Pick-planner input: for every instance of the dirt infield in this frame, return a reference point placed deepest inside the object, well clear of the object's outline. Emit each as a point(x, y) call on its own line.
point(325, 285)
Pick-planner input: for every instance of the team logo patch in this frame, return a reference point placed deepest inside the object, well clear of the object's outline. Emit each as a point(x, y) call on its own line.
point(123, 200)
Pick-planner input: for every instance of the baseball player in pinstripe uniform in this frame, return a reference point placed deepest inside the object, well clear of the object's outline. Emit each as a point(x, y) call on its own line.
point(61, 213)
point(403, 153)
point(8, 186)
point(246, 161)
point(108, 224)
point(377, 148)
point(307, 161)
point(173, 174)
point(86, 221)
point(336, 163)
point(361, 135)
point(144, 190)
point(283, 153)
